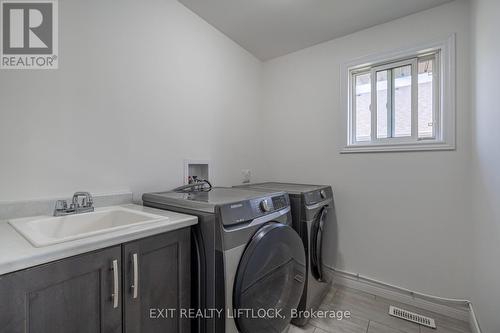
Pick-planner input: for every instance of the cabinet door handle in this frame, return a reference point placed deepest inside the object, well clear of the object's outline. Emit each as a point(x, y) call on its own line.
point(135, 273)
point(116, 288)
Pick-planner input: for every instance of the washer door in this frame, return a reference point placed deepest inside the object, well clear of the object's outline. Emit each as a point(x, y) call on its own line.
point(270, 278)
point(317, 244)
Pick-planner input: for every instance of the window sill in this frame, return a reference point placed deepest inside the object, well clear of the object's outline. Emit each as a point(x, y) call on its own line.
point(406, 147)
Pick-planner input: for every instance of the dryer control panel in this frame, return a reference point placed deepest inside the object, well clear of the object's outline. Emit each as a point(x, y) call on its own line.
point(313, 197)
point(244, 211)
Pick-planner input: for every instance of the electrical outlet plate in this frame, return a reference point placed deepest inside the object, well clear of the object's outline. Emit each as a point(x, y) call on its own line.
point(246, 176)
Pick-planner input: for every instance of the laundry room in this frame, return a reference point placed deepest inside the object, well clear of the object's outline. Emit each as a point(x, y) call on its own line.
point(225, 166)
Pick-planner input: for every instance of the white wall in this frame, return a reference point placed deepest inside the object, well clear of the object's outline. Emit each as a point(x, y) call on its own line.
point(141, 86)
point(486, 141)
point(146, 84)
point(403, 218)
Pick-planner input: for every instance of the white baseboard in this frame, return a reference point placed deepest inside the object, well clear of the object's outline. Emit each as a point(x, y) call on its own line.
point(461, 310)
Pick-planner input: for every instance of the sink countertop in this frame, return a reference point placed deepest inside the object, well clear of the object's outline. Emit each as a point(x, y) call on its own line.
point(17, 253)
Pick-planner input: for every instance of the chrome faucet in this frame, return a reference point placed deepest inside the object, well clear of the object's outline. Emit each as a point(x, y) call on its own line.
point(86, 206)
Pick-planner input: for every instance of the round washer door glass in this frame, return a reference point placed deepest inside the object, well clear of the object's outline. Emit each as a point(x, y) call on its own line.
point(270, 280)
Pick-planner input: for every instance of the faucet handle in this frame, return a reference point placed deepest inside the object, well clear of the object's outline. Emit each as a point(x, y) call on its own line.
point(61, 205)
point(61, 208)
point(90, 200)
point(87, 201)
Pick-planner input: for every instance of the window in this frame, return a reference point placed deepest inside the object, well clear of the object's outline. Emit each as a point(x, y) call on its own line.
point(402, 101)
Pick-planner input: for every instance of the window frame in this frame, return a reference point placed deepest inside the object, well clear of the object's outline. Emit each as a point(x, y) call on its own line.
point(443, 109)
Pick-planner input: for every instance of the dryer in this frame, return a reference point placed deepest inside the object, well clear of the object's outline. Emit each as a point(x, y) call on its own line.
point(249, 258)
point(312, 210)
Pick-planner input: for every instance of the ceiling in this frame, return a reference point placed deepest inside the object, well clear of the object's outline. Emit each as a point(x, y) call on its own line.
point(271, 28)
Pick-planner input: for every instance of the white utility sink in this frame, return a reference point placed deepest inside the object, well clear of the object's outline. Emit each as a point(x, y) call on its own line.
point(46, 230)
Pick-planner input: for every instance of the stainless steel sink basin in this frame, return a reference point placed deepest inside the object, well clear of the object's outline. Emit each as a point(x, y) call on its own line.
point(46, 230)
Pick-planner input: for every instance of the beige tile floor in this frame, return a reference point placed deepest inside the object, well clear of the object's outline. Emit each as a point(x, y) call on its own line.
point(369, 314)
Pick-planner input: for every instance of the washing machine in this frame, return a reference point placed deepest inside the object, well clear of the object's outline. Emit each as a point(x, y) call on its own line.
point(312, 212)
point(250, 263)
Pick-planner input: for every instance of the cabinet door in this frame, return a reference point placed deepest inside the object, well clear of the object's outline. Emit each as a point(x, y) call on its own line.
point(71, 295)
point(157, 283)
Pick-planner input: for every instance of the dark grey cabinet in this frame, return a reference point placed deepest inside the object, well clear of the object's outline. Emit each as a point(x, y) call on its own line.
point(112, 290)
point(157, 283)
point(71, 295)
